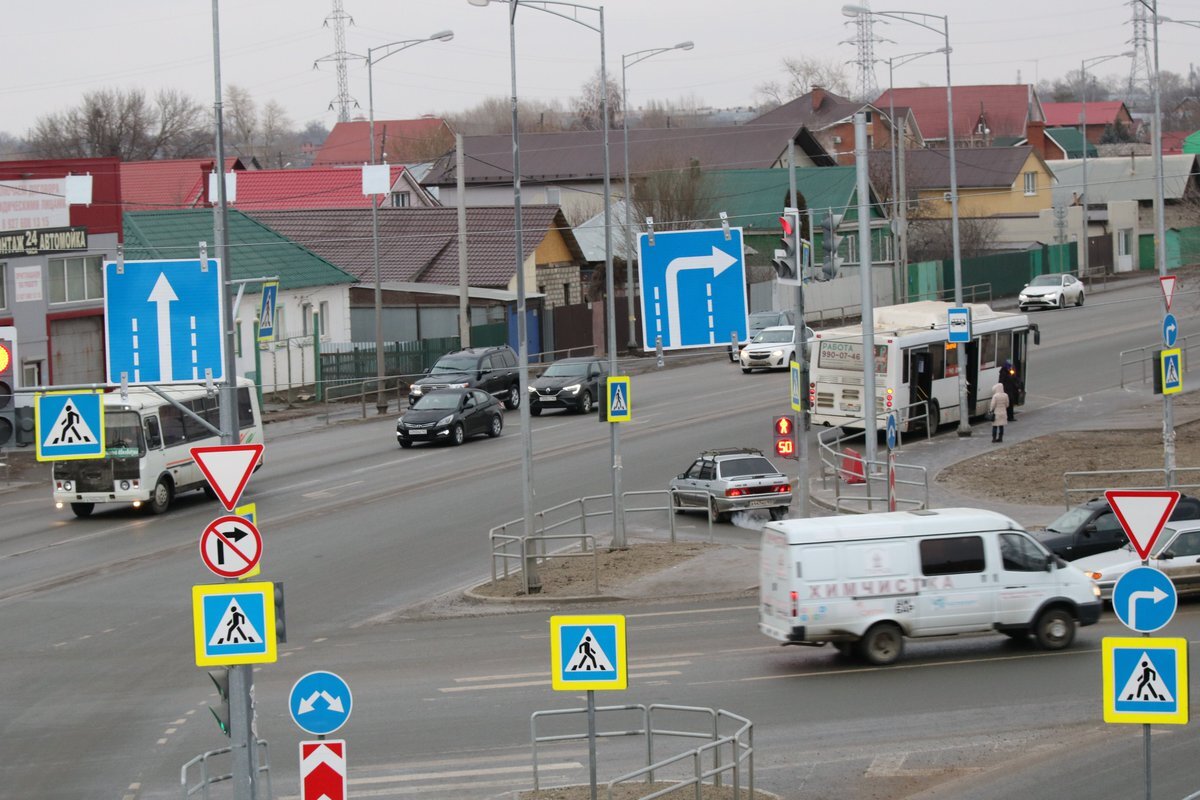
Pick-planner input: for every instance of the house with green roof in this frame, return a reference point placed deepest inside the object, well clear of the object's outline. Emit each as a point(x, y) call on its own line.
point(308, 285)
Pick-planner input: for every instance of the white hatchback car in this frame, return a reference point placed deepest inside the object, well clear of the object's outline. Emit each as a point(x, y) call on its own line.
point(772, 348)
point(1051, 291)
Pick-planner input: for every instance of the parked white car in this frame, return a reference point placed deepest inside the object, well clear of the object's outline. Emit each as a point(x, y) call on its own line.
point(1051, 291)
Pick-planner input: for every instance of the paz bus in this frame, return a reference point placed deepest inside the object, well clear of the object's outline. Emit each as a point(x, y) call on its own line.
point(916, 368)
point(148, 442)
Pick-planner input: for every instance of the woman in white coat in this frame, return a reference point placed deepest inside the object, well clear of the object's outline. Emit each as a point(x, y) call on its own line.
point(999, 411)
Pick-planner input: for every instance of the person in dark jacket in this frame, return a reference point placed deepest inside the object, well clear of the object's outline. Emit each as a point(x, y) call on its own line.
point(1012, 387)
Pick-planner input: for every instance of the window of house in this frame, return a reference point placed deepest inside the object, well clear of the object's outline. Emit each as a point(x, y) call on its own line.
point(76, 279)
point(306, 318)
point(401, 199)
point(1124, 237)
point(324, 316)
point(3, 285)
point(31, 373)
point(281, 330)
point(1030, 183)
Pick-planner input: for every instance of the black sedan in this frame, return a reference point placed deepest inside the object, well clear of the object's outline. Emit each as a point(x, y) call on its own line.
point(450, 415)
point(1092, 527)
point(569, 383)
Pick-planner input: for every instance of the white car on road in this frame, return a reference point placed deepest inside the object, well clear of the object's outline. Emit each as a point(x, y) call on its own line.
point(1176, 552)
point(1051, 291)
point(772, 348)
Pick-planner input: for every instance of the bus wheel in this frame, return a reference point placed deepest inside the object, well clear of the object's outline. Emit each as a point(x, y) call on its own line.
point(934, 418)
point(160, 498)
point(82, 510)
point(882, 644)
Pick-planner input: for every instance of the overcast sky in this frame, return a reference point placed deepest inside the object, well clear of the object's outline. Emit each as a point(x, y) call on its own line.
point(60, 49)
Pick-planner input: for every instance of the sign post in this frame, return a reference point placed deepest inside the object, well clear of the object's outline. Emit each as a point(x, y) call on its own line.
point(891, 455)
point(588, 652)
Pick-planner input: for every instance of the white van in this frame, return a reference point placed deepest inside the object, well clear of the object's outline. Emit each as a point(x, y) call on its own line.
point(865, 582)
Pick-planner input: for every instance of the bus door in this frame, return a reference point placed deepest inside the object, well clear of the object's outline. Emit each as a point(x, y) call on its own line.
point(1020, 358)
point(920, 378)
point(973, 376)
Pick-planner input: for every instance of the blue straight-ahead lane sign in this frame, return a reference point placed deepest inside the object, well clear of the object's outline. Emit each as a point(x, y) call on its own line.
point(693, 287)
point(162, 321)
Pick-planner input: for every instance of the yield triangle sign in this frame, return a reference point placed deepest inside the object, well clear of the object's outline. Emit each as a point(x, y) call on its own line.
point(1142, 514)
point(1168, 288)
point(227, 468)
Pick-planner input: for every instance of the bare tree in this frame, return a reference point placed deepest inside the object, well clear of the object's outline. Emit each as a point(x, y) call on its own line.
point(587, 106)
point(494, 115)
point(801, 75)
point(12, 148)
point(930, 237)
point(276, 130)
point(122, 123)
point(241, 121)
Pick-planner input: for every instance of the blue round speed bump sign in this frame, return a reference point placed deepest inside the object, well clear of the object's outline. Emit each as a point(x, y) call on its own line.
point(320, 703)
point(1144, 599)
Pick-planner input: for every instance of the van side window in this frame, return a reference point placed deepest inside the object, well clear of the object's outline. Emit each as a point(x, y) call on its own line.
point(1020, 555)
point(245, 408)
point(172, 425)
point(954, 555)
point(153, 434)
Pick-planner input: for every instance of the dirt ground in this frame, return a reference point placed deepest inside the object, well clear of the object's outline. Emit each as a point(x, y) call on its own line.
point(1032, 472)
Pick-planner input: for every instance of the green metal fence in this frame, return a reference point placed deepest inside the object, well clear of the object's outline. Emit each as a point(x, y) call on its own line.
point(1005, 273)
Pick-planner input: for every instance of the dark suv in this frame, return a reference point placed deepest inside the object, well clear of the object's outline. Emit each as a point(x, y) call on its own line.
point(492, 369)
point(1092, 527)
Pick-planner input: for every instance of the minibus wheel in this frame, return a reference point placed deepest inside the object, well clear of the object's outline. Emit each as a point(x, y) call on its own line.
point(160, 498)
point(882, 644)
point(1055, 629)
point(82, 510)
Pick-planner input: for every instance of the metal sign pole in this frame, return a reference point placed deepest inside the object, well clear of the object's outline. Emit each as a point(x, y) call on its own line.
point(591, 723)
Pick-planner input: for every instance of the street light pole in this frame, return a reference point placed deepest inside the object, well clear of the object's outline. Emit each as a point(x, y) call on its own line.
point(918, 18)
point(381, 398)
point(628, 60)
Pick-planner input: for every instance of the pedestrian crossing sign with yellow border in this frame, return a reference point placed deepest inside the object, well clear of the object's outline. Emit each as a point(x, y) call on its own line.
point(234, 623)
point(1145, 680)
point(618, 399)
point(588, 652)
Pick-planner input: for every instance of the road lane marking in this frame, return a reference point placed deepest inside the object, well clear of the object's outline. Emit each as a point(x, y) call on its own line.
point(329, 491)
point(514, 676)
point(461, 773)
point(426, 790)
point(521, 684)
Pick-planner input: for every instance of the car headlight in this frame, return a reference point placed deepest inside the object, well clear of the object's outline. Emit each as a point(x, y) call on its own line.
point(416, 388)
point(446, 420)
point(533, 389)
point(573, 388)
point(776, 354)
point(1096, 590)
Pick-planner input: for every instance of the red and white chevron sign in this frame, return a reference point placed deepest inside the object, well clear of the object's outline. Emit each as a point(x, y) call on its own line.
point(323, 770)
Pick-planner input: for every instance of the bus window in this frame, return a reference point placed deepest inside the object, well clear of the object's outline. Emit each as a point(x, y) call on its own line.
point(987, 351)
point(245, 409)
point(153, 434)
point(172, 425)
point(1003, 347)
point(123, 435)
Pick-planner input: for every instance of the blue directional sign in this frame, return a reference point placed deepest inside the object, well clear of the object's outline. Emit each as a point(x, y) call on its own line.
point(266, 311)
point(162, 321)
point(693, 287)
point(1144, 599)
point(320, 702)
point(234, 624)
point(1145, 680)
point(891, 431)
point(1170, 330)
point(1172, 370)
point(587, 652)
point(69, 425)
point(959, 324)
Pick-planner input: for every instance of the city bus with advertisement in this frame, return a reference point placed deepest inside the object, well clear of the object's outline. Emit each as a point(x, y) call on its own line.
point(148, 442)
point(916, 367)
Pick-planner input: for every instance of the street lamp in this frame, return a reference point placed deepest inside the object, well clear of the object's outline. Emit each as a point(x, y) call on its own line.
point(627, 61)
point(921, 19)
point(1085, 267)
point(900, 256)
point(391, 48)
point(550, 7)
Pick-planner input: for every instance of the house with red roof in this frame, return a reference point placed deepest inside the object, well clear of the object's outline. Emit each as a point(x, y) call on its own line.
point(165, 184)
point(323, 188)
point(984, 116)
point(397, 141)
point(1100, 117)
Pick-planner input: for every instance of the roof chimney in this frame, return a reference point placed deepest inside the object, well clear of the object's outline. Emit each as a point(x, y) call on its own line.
point(818, 97)
point(1035, 134)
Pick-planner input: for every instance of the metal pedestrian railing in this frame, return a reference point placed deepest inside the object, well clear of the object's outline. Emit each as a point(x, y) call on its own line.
point(206, 778)
point(725, 757)
point(1140, 360)
point(841, 465)
point(1098, 481)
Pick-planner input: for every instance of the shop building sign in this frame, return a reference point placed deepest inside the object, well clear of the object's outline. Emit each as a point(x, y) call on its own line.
point(35, 241)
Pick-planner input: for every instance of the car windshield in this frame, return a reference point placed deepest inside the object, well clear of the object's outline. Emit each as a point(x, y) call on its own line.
point(1070, 520)
point(1046, 280)
point(438, 401)
point(760, 321)
point(123, 434)
point(740, 467)
point(578, 368)
point(773, 337)
point(455, 364)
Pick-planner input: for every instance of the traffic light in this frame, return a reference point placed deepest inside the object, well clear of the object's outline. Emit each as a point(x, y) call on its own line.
point(830, 242)
point(8, 385)
point(788, 262)
point(785, 437)
point(220, 679)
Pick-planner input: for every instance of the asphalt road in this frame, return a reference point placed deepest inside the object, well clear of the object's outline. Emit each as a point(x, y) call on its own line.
point(104, 699)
